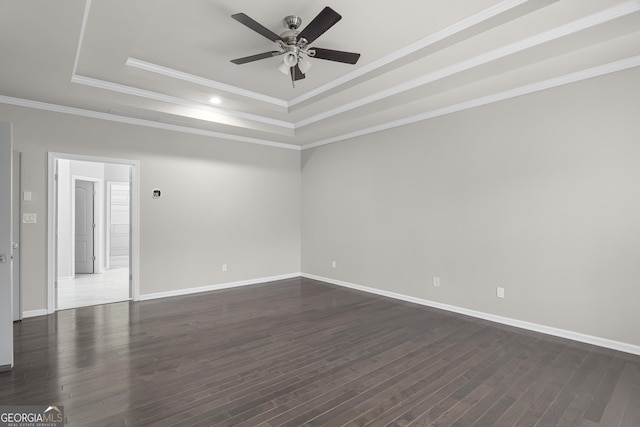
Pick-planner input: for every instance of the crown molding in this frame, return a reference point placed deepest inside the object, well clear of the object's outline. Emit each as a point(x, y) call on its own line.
point(140, 122)
point(600, 70)
point(449, 31)
point(83, 27)
point(191, 78)
point(599, 18)
point(510, 49)
point(129, 90)
point(621, 10)
point(438, 36)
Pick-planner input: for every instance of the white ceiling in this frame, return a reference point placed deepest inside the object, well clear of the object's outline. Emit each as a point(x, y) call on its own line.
point(158, 62)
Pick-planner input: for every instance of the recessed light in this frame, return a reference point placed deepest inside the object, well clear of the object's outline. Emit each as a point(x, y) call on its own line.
point(215, 100)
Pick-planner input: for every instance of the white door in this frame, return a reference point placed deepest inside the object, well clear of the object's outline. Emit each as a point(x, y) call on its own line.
point(6, 284)
point(84, 227)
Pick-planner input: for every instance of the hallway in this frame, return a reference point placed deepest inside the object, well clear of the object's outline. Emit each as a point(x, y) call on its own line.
point(94, 289)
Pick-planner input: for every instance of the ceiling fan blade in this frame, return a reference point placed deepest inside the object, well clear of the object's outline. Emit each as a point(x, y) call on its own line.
point(255, 57)
point(336, 55)
point(256, 26)
point(297, 73)
point(326, 19)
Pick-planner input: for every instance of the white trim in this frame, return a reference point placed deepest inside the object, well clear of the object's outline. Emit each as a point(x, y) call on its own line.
point(597, 71)
point(34, 313)
point(548, 330)
point(156, 96)
point(134, 249)
point(140, 122)
point(440, 35)
point(535, 327)
point(621, 10)
point(147, 66)
point(51, 220)
point(52, 234)
point(510, 49)
point(600, 70)
point(83, 27)
point(179, 292)
point(191, 78)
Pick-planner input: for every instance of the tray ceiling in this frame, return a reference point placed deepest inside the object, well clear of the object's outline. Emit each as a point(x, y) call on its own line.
point(159, 62)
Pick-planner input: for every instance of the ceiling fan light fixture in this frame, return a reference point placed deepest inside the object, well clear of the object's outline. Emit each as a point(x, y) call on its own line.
point(304, 65)
point(290, 59)
point(284, 69)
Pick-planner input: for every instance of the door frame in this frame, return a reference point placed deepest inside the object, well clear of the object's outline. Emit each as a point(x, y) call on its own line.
point(16, 231)
point(97, 260)
point(52, 197)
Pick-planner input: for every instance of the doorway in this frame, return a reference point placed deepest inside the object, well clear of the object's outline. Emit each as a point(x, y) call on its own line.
point(93, 213)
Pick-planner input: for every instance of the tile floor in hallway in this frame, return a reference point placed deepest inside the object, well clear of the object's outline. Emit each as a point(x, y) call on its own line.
point(94, 289)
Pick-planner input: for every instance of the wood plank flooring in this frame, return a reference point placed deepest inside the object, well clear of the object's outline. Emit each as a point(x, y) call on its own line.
point(303, 353)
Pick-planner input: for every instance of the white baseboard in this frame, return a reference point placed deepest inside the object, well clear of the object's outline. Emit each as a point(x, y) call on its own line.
point(179, 292)
point(34, 313)
point(562, 333)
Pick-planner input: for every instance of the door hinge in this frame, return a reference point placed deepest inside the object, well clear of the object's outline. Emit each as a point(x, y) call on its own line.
point(93, 226)
point(93, 257)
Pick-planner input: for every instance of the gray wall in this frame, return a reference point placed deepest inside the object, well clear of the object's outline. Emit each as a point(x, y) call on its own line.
point(539, 194)
point(223, 202)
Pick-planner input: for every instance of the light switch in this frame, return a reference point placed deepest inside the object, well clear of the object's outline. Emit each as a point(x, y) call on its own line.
point(26, 196)
point(29, 218)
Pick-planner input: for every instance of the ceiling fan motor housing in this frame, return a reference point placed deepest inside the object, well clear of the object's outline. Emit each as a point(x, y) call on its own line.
point(292, 22)
point(290, 36)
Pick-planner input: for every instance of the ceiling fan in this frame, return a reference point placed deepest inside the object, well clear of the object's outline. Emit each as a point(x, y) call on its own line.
point(294, 44)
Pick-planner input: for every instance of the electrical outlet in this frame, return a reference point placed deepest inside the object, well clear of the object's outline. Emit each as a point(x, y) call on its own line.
point(436, 281)
point(224, 267)
point(333, 264)
point(500, 292)
point(29, 218)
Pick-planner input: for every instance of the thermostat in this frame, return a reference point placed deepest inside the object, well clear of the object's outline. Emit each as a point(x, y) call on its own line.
point(156, 193)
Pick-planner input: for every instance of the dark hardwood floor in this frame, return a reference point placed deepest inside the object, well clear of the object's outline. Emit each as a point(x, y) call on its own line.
point(303, 353)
